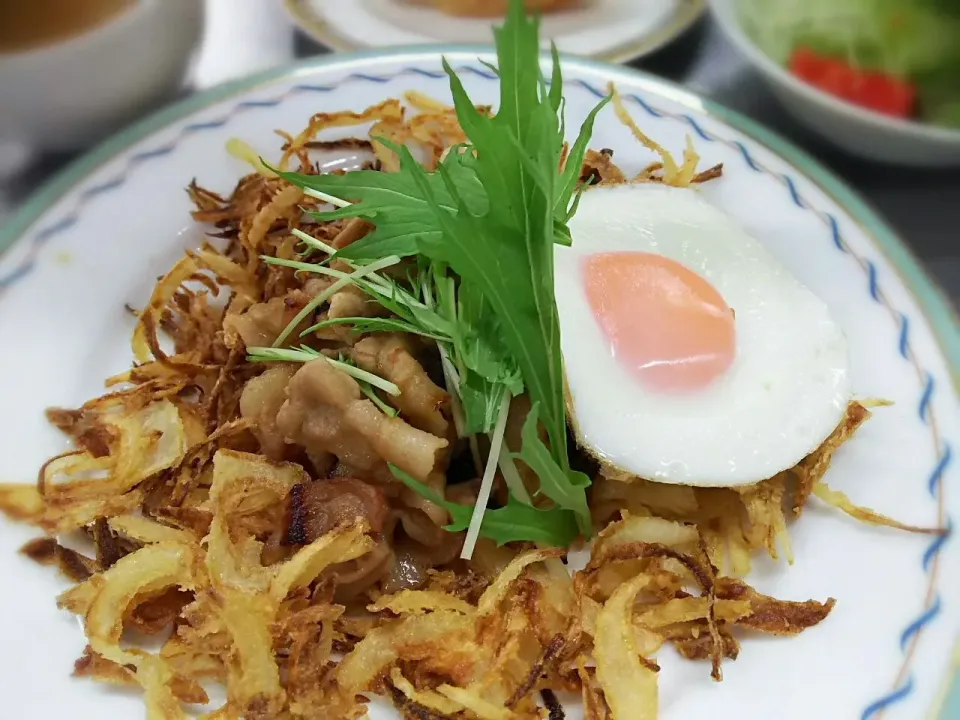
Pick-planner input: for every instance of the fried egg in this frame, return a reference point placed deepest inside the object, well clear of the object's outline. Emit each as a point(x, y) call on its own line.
point(691, 354)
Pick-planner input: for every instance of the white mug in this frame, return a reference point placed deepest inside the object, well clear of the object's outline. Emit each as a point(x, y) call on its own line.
point(68, 94)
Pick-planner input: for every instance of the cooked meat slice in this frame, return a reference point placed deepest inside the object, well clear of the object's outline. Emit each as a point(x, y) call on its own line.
point(355, 229)
point(262, 323)
point(261, 400)
point(437, 482)
point(420, 399)
point(414, 451)
point(353, 302)
point(407, 569)
point(316, 285)
point(318, 507)
point(598, 167)
point(326, 411)
point(311, 416)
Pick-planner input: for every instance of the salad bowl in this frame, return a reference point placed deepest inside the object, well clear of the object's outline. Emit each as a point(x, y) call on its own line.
point(857, 130)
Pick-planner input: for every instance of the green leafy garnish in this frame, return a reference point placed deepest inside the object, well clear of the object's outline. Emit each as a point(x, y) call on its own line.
point(431, 305)
point(514, 522)
point(566, 490)
point(371, 394)
point(303, 354)
point(368, 384)
point(368, 325)
point(342, 282)
point(392, 202)
point(483, 227)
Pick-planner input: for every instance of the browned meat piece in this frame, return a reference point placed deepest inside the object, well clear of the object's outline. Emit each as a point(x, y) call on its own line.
point(598, 167)
point(262, 323)
point(355, 229)
point(326, 411)
point(435, 514)
point(411, 560)
point(420, 400)
point(318, 507)
point(407, 570)
point(316, 285)
point(353, 302)
point(261, 400)
point(353, 577)
point(312, 417)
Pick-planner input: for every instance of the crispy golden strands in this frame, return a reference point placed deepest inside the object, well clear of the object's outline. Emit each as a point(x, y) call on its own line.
point(628, 680)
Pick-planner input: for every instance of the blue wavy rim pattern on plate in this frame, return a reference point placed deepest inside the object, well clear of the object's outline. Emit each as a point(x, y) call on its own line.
point(938, 311)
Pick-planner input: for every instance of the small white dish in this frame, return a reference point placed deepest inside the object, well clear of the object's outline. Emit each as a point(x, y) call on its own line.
point(611, 30)
point(69, 94)
point(861, 132)
point(96, 238)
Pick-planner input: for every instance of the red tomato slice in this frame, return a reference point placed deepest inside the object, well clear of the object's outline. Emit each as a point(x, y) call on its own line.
point(806, 64)
point(887, 94)
point(840, 79)
point(876, 91)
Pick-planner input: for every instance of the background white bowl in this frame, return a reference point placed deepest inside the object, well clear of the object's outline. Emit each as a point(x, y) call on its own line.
point(69, 94)
point(859, 131)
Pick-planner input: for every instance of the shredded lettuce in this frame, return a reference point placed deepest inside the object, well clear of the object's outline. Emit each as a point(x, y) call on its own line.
point(914, 39)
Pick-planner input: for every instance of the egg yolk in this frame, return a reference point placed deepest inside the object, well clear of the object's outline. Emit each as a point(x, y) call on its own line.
point(666, 323)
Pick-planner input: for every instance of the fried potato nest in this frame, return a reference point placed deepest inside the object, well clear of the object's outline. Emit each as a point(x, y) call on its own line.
point(244, 514)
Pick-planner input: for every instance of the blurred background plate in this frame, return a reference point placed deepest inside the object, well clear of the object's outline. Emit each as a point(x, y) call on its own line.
point(613, 30)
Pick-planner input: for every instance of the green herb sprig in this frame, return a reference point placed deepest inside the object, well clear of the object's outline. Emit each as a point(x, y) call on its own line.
point(483, 226)
point(367, 381)
point(516, 521)
point(429, 304)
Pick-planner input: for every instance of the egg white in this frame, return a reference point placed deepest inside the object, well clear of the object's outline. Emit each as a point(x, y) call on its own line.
point(786, 391)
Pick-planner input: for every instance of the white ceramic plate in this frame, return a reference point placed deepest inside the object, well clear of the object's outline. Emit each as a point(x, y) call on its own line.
point(612, 30)
point(98, 236)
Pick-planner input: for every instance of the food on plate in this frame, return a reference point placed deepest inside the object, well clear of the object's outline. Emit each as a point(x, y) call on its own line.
point(340, 466)
point(660, 268)
point(896, 57)
point(495, 8)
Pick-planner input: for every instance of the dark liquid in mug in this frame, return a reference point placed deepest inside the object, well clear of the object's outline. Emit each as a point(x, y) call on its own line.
point(28, 24)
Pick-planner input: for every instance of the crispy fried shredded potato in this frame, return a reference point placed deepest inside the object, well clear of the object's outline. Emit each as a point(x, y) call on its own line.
point(840, 501)
point(420, 601)
point(629, 684)
point(246, 516)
